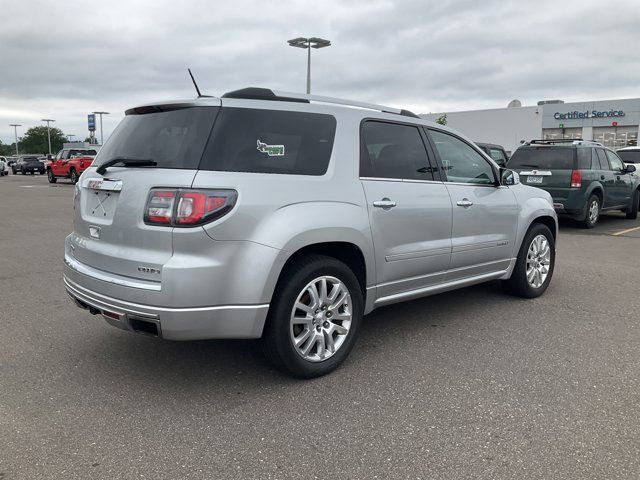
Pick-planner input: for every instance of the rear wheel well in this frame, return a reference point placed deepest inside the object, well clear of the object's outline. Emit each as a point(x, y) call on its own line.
point(549, 222)
point(598, 192)
point(347, 253)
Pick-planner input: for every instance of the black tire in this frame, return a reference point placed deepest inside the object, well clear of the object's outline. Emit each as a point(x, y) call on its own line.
point(277, 342)
point(73, 175)
point(51, 177)
point(589, 221)
point(518, 284)
point(32, 172)
point(632, 211)
point(13, 170)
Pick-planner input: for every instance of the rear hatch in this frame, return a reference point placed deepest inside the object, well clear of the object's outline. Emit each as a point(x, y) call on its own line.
point(110, 232)
point(545, 166)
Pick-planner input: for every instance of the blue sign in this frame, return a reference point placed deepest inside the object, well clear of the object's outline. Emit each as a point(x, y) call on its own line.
point(588, 114)
point(91, 119)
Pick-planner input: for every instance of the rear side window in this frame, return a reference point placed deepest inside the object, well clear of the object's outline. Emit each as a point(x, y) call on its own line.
point(270, 141)
point(173, 139)
point(602, 156)
point(543, 158)
point(392, 150)
point(584, 158)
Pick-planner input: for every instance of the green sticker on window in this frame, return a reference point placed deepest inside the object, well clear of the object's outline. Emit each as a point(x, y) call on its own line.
point(271, 150)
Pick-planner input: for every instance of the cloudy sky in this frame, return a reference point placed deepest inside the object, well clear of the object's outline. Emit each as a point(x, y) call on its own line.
point(63, 60)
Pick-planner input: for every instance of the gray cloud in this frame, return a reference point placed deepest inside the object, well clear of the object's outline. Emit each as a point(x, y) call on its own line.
point(62, 60)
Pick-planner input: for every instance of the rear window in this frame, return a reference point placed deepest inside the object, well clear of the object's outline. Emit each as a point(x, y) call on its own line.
point(173, 139)
point(629, 156)
point(270, 141)
point(82, 153)
point(543, 158)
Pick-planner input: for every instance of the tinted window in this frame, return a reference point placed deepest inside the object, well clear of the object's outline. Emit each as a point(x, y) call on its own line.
point(595, 163)
point(584, 158)
point(616, 163)
point(393, 151)
point(173, 139)
point(460, 161)
point(604, 164)
point(629, 156)
point(543, 158)
point(270, 141)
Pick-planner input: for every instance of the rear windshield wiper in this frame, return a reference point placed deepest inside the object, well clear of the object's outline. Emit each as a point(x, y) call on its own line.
point(126, 162)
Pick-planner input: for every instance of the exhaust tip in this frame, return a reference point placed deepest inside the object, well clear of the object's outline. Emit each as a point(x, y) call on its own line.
point(145, 327)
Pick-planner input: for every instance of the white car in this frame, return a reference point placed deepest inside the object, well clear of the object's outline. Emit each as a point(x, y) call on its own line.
point(4, 168)
point(630, 156)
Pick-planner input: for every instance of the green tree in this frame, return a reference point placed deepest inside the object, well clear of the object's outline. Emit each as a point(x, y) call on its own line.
point(35, 140)
point(7, 150)
point(442, 119)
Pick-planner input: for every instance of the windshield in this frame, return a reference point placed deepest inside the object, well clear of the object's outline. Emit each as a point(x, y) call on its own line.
point(629, 156)
point(545, 158)
point(172, 139)
point(30, 159)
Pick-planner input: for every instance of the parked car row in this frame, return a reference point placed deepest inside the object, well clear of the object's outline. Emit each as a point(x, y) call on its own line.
point(583, 177)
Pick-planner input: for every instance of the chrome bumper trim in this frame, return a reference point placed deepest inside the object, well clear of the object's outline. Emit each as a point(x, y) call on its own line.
point(74, 264)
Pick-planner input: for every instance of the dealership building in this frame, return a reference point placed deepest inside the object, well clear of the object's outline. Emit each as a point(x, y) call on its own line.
point(614, 123)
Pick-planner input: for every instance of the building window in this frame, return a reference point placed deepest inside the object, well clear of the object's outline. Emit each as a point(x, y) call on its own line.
point(562, 134)
point(616, 137)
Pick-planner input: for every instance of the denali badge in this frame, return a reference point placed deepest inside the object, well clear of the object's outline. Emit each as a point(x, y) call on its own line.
point(142, 268)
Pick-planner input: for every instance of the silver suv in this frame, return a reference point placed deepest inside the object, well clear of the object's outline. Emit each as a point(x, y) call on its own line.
point(289, 217)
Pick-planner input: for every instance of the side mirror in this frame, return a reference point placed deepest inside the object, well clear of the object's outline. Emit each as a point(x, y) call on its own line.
point(630, 169)
point(509, 177)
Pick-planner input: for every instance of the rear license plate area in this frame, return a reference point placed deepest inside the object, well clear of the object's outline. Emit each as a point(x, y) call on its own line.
point(534, 179)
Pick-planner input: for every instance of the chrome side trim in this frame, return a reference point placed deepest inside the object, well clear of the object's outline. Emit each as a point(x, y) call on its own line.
point(74, 264)
point(441, 287)
point(419, 254)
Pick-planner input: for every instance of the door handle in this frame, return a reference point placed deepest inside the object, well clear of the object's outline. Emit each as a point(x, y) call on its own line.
point(385, 203)
point(465, 202)
point(601, 177)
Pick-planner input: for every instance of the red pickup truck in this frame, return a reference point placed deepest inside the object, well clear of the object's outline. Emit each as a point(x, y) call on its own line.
point(70, 163)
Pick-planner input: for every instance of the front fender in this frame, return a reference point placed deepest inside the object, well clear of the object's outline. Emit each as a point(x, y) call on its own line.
point(530, 210)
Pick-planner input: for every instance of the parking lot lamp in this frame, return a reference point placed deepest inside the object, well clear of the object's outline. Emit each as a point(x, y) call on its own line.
point(309, 43)
point(15, 127)
point(48, 120)
point(101, 113)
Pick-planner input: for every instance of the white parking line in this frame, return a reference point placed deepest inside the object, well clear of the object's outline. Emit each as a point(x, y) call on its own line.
point(622, 232)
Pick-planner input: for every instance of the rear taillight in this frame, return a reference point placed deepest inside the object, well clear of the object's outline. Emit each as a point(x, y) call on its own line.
point(576, 179)
point(187, 208)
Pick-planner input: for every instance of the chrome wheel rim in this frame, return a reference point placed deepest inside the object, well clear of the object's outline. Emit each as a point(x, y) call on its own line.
point(321, 318)
point(538, 261)
point(594, 211)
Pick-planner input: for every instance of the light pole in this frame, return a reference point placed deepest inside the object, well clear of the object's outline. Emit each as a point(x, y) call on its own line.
point(309, 43)
point(15, 127)
point(48, 120)
point(101, 113)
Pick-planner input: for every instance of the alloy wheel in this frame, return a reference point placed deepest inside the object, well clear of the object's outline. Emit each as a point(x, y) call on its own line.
point(321, 318)
point(594, 211)
point(538, 261)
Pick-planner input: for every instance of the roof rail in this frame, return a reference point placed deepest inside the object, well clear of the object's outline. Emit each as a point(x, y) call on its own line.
point(267, 94)
point(572, 141)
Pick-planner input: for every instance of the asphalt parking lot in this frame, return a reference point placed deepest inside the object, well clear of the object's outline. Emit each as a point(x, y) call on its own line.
point(469, 384)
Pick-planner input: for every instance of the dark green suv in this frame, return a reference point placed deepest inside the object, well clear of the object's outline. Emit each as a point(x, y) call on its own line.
point(583, 177)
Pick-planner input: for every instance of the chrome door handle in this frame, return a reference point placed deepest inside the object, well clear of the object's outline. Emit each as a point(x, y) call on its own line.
point(465, 202)
point(385, 203)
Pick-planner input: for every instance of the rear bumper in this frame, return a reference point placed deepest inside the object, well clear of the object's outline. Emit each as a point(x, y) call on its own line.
point(197, 323)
